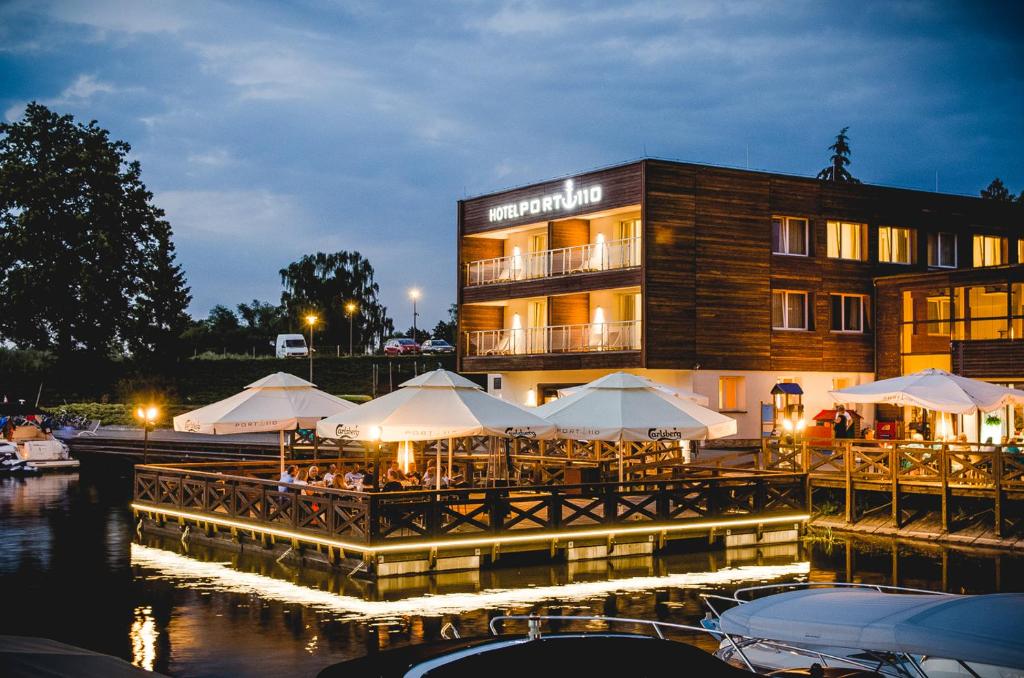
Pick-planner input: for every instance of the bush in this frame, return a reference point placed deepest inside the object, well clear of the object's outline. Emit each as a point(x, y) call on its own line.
point(110, 414)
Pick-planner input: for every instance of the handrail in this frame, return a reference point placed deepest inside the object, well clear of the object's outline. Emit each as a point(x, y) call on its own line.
point(620, 335)
point(590, 257)
point(881, 588)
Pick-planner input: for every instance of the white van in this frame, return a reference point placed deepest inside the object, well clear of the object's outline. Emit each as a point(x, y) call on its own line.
point(291, 346)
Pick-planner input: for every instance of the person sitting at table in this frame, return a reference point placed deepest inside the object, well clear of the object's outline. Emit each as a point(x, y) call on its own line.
point(354, 478)
point(395, 471)
point(1009, 446)
point(287, 476)
point(314, 476)
point(961, 444)
point(392, 485)
point(332, 471)
point(989, 446)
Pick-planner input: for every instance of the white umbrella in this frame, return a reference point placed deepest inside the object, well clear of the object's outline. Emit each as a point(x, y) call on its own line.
point(671, 390)
point(625, 407)
point(933, 389)
point(434, 406)
point(278, 402)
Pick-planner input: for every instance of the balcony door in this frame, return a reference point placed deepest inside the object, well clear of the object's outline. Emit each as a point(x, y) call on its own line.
point(627, 334)
point(537, 255)
point(629, 241)
point(536, 326)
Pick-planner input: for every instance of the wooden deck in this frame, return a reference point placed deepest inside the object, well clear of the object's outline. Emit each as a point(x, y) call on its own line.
point(243, 497)
point(902, 468)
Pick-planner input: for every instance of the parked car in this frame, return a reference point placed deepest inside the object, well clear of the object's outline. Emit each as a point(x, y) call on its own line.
point(291, 346)
point(401, 346)
point(436, 346)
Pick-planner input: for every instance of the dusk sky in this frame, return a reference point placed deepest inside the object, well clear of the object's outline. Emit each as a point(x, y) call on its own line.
point(271, 130)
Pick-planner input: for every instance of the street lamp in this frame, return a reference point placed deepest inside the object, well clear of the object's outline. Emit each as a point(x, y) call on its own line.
point(350, 311)
point(414, 294)
point(148, 417)
point(310, 320)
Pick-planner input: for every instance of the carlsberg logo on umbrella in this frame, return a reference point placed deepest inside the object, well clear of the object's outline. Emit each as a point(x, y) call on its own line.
point(346, 432)
point(513, 432)
point(664, 434)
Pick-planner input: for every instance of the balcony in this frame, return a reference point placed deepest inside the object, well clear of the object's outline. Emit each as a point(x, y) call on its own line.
point(586, 338)
point(589, 258)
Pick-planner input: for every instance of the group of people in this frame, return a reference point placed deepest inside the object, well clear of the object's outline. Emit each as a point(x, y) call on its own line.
point(360, 480)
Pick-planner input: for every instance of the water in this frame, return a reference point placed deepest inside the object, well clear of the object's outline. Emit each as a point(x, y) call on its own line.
point(71, 568)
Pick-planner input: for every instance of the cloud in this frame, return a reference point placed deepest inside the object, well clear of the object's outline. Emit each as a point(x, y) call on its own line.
point(127, 16)
point(84, 87)
point(247, 219)
point(211, 158)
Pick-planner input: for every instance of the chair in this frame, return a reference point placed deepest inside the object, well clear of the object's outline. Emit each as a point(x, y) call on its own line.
point(94, 426)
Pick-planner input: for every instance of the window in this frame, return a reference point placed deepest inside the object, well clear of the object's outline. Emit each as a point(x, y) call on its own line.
point(939, 315)
point(789, 310)
point(847, 313)
point(789, 236)
point(1020, 251)
point(895, 245)
point(847, 240)
point(942, 250)
point(731, 394)
point(989, 250)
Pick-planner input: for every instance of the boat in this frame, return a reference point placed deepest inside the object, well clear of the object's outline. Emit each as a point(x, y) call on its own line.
point(13, 465)
point(590, 653)
point(891, 630)
point(30, 443)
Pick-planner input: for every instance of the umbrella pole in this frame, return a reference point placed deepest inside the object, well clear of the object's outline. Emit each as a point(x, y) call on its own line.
point(451, 453)
point(281, 441)
point(437, 464)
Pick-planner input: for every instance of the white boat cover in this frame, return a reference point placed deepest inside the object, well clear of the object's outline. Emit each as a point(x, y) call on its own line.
point(671, 390)
point(278, 402)
point(985, 629)
point(434, 406)
point(933, 389)
point(625, 407)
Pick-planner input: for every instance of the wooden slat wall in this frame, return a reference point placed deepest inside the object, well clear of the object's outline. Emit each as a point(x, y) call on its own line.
point(610, 360)
point(475, 249)
point(473, 318)
point(569, 309)
point(733, 270)
point(888, 314)
point(568, 233)
point(989, 359)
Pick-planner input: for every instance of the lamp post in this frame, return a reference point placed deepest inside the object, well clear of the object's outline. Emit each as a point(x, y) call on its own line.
point(310, 320)
point(148, 417)
point(350, 311)
point(414, 294)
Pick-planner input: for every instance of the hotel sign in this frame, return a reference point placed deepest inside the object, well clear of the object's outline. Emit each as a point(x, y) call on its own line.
point(568, 199)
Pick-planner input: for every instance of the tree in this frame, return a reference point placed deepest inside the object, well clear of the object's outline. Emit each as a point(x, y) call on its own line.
point(446, 329)
point(323, 284)
point(421, 334)
point(997, 191)
point(86, 260)
point(840, 159)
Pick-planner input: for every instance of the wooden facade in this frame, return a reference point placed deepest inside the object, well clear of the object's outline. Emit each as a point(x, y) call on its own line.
point(707, 268)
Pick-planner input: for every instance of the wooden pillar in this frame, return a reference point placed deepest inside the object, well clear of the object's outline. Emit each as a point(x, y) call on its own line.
point(895, 563)
point(897, 518)
point(944, 479)
point(849, 560)
point(848, 471)
point(997, 480)
point(945, 570)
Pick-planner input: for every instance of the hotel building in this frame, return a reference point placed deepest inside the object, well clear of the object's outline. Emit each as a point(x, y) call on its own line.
point(727, 282)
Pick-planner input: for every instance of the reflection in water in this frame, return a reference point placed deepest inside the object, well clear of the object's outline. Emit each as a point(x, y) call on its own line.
point(144, 635)
point(188, 573)
point(70, 570)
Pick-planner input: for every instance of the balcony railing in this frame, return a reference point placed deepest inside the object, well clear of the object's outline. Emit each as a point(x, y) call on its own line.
point(602, 256)
point(611, 336)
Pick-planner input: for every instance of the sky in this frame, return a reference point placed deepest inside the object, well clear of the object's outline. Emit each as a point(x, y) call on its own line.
point(268, 130)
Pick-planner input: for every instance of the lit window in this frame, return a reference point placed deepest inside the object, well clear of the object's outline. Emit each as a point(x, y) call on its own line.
point(789, 310)
point(942, 250)
point(847, 240)
point(847, 313)
point(789, 235)
point(938, 309)
point(1020, 251)
point(895, 245)
point(731, 396)
point(989, 250)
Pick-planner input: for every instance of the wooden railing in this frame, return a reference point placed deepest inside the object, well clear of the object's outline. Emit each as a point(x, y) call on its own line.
point(970, 465)
point(368, 518)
